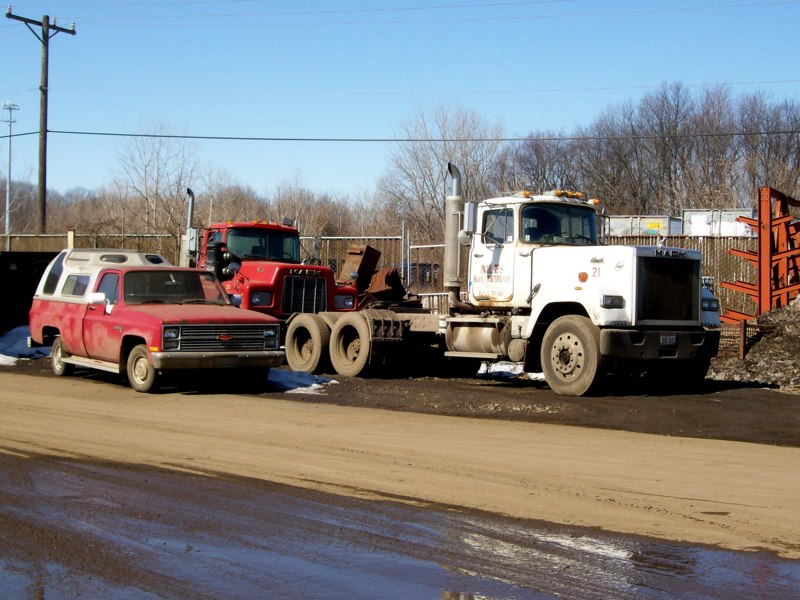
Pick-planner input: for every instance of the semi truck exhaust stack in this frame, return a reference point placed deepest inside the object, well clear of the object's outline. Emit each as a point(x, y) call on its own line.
point(454, 208)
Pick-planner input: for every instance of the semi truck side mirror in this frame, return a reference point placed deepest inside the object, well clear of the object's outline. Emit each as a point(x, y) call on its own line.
point(470, 220)
point(216, 261)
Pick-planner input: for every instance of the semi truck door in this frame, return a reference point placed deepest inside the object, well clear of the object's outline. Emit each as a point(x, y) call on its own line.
point(492, 257)
point(102, 331)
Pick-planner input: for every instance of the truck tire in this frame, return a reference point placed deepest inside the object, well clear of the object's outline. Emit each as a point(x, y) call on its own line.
point(571, 355)
point(307, 340)
point(350, 345)
point(60, 368)
point(141, 374)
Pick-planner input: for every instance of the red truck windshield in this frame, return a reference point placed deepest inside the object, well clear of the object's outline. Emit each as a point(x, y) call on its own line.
point(262, 244)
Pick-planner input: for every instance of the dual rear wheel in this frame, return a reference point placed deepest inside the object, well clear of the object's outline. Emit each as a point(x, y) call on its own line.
point(313, 347)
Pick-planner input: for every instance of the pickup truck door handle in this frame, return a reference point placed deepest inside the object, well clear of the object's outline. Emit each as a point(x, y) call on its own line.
point(117, 328)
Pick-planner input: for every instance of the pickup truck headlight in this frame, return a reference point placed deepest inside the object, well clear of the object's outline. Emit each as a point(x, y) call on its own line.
point(613, 302)
point(342, 301)
point(271, 337)
point(709, 304)
point(172, 338)
point(260, 298)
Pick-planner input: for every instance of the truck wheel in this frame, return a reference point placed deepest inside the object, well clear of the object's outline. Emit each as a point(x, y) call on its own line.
point(60, 368)
point(571, 355)
point(307, 340)
point(141, 374)
point(350, 345)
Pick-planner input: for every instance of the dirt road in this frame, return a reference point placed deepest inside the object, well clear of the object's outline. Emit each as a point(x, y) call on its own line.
point(732, 494)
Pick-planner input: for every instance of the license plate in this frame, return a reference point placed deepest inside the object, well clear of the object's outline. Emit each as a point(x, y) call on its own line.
point(669, 339)
point(226, 362)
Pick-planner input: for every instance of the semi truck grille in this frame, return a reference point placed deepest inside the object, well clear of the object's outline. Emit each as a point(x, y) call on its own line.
point(668, 289)
point(304, 295)
point(221, 338)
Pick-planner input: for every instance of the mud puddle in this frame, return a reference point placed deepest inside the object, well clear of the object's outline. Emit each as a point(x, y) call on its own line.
point(80, 529)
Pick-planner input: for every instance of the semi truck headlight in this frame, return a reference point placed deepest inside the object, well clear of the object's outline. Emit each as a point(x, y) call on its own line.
point(613, 302)
point(260, 298)
point(709, 304)
point(343, 301)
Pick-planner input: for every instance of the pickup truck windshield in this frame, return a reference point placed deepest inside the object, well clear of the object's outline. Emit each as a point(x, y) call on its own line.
point(264, 244)
point(164, 286)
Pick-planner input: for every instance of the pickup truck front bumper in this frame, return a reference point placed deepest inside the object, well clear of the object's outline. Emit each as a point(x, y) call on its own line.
point(633, 344)
point(169, 361)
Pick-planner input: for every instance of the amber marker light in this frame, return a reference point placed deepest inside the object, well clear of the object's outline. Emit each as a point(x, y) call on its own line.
point(583, 277)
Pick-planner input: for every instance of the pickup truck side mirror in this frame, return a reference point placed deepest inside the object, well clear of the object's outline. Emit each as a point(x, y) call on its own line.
point(96, 298)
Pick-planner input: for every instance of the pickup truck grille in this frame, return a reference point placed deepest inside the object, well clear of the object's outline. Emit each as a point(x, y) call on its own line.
point(221, 338)
point(304, 295)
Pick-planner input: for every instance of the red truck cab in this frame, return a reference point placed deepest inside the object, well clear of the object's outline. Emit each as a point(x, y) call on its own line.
point(133, 313)
point(260, 267)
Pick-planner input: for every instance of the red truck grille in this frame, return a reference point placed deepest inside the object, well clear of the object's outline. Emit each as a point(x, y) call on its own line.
point(234, 338)
point(304, 295)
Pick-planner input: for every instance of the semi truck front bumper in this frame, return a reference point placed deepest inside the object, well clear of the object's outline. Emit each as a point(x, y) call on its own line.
point(663, 344)
point(169, 361)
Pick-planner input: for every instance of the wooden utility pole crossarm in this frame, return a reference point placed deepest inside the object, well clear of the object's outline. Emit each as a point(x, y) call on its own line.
point(48, 30)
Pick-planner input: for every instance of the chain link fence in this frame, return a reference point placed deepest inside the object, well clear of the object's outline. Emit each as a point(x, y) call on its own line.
point(421, 265)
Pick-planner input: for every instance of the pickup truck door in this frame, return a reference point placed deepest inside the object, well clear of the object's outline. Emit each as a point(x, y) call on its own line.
point(102, 330)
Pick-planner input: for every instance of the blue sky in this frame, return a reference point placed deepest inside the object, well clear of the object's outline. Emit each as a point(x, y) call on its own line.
point(360, 69)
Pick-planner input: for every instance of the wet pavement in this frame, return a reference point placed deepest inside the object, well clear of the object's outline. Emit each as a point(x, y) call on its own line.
point(81, 529)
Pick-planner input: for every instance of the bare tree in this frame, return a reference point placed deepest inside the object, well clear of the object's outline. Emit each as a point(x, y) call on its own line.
point(712, 176)
point(156, 170)
point(415, 185)
point(771, 149)
point(227, 200)
point(313, 213)
point(542, 162)
point(611, 159)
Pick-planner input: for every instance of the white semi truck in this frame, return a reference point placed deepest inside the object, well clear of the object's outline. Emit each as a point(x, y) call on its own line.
point(540, 291)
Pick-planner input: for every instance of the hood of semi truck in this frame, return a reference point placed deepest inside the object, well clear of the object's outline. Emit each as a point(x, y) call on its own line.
point(620, 286)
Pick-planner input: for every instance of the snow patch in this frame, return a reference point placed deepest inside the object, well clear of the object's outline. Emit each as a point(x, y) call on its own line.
point(14, 345)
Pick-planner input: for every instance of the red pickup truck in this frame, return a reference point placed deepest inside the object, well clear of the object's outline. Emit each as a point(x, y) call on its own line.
point(134, 313)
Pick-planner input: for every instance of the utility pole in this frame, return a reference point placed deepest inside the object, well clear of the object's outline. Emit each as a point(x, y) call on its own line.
point(48, 30)
point(10, 108)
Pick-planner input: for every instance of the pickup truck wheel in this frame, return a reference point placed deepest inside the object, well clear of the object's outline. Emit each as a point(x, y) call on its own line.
point(141, 374)
point(307, 340)
point(60, 368)
point(571, 355)
point(350, 345)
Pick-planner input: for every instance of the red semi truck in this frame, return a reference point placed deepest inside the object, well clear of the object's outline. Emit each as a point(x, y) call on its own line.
point(260, 266)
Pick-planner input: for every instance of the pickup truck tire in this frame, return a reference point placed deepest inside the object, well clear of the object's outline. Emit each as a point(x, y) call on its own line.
point(141, 374)
point(350, 345)
point(60, 368)
point(307, 340)
point(570, 355)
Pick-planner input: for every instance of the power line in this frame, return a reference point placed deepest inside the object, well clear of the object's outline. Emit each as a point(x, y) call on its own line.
point(185, 18)
point(376, 140)
point(499, 91)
